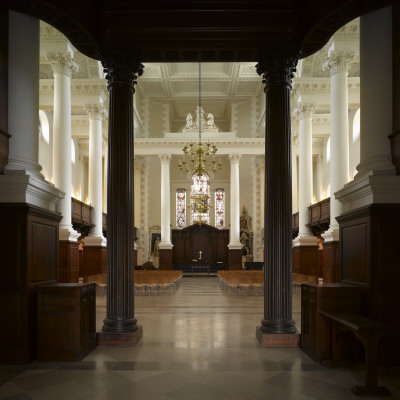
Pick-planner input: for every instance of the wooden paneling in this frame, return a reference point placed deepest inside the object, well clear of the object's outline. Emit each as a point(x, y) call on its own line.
point(235, 259)
point(331, 262)
point(315, 330)
point(319, 216)
point(305, 260)
point(355, 249)
point(165, 259)
point(81, 217)
point(94, 260)
point(68, 269)
point(211, 241)
point(370, 255)
point(29, 253)
point(66, 321)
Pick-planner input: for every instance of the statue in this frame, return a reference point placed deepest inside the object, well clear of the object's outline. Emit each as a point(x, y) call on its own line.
point(194, 125)
point(156, 243)
point(245, 221)
point(189, 121)
point(210, 121)
point(246, 235)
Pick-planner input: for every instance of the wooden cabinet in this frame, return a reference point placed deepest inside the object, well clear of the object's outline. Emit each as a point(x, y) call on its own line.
point(315, 329)
point(66, 321)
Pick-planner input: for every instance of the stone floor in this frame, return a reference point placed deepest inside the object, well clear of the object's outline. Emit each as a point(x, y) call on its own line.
point(199, 343)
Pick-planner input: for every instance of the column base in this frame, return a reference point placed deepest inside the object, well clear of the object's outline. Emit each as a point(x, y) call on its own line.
point(277, 339)
point(369, 189)
point(332, 234)
point(95, 241)
point(119, 339)
point(305, 239)
point(21, 187)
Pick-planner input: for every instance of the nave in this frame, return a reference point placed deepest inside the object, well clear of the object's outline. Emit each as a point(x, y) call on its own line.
point(199, 344)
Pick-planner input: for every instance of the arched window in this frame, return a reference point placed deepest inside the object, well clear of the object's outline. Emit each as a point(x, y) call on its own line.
point(180, 208)
point(200, 199)
point(220, 208)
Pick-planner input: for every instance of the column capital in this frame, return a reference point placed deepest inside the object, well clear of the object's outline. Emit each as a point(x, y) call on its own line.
point(304, 110)
point(235, 157)
point(317, 157)
point(165, 158)
point(295, 140)
point(62, 63)
point(338, 62)
point(122, 66)
point(277, 68)
point(96, 111)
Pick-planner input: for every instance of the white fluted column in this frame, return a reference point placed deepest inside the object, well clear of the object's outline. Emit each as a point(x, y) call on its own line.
point(22, 181)
point(318, 167)
point(305, 236)
point(105, 177)
point(376, 181)
point(96, 113)
point(235, 203)
point(165, 203)
point(295, 144)
point(63, 65)
point(338, 64)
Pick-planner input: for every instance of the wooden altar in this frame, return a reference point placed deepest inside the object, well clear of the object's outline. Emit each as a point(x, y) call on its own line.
point(188, 242)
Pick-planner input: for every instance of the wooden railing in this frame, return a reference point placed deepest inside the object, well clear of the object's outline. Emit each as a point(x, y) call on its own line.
point(81, 215)
point(318, 218)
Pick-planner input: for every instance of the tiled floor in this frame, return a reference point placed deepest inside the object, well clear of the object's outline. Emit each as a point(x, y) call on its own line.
point(199, 343)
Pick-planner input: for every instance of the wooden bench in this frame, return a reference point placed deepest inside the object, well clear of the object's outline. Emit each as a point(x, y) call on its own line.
point(368, 332)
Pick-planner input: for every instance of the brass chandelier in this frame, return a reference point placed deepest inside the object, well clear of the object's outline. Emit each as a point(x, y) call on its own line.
point(199, 158)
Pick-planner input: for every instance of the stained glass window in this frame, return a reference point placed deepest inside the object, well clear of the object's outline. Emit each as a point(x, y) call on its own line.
point(180, 208)
point(200, 199)
point(220, 208)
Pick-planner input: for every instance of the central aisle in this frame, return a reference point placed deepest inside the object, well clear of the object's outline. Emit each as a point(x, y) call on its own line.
point(199, 344)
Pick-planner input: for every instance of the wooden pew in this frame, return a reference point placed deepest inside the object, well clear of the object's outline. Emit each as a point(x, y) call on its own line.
point(369, 333)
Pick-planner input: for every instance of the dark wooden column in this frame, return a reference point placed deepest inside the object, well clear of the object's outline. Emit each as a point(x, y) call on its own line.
point(277, 328)
point(120, 325)
point(395, 136)
point(4, 136)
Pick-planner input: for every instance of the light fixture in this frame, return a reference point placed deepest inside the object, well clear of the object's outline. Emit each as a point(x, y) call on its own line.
point(199, 158)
